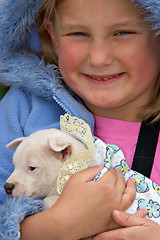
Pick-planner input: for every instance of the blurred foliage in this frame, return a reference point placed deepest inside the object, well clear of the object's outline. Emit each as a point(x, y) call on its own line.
point(2, 91)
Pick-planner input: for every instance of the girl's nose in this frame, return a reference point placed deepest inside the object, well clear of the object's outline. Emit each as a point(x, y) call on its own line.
point(100, 55)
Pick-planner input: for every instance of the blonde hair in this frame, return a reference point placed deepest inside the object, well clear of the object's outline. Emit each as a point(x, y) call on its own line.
point(152, 109)
point(47, 12)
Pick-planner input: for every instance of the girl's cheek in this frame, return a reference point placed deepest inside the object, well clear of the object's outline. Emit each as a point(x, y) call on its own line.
point(73, 49)
point(71, 57)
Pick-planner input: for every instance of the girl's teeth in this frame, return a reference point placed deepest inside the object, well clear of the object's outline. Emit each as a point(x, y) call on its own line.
point(107, 78)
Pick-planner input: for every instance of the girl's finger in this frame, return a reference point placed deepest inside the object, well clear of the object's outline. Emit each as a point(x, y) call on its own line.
point(127, 220)
point(129, 194)
point(120, 185)
point(86, 175)
point(141, 213)
point(110, 176)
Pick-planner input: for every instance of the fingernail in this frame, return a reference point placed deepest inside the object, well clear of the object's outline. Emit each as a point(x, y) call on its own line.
point(145, 211)
point(117, 213)
point(133, 180)
point(101, 166)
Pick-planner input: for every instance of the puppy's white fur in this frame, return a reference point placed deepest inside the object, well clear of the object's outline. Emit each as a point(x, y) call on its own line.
point(37, 160)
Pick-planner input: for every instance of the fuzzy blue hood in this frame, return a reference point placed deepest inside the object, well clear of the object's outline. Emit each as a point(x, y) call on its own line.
point(25, 69)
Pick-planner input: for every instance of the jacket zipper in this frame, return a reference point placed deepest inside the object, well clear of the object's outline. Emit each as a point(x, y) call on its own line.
point(61, 105)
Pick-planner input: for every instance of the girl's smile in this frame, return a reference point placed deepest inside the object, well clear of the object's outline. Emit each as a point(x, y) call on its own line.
point(107, 55)
point(106, 79)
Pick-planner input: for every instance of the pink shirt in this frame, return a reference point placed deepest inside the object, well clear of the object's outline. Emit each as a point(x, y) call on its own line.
point(124, 135)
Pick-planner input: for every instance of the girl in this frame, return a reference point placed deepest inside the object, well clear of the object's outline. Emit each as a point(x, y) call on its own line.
point(108, 55)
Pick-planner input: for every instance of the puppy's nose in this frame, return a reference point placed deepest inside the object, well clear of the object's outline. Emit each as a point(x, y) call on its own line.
point(8, 187)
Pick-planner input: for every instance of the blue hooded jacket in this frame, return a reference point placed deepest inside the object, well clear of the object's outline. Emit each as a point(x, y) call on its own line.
point(38, 95)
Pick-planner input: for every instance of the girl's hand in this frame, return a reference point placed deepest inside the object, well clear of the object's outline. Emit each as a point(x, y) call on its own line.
point(135, 227)
point(90, 204)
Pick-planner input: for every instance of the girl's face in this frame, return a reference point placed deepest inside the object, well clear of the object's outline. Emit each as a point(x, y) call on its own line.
point(107, 55)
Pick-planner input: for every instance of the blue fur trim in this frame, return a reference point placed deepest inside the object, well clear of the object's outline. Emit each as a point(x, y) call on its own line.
point(152, 8)
point(16, 20)
point(27, 71)
point(12, 214)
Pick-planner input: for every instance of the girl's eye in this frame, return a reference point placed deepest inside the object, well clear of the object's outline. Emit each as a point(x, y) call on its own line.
point(80, 34)
point(31, 168)
point(123, 33)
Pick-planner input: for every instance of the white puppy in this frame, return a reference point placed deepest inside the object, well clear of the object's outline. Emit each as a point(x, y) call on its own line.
point(37, 160)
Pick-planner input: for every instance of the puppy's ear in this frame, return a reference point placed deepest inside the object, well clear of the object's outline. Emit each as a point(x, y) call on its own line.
point(14, 144)
point(60, 145)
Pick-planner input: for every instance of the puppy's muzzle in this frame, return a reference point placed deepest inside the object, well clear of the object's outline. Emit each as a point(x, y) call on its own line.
point(8, 187)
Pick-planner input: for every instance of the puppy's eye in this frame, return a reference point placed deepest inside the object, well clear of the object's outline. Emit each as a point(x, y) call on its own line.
point(30, 168)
